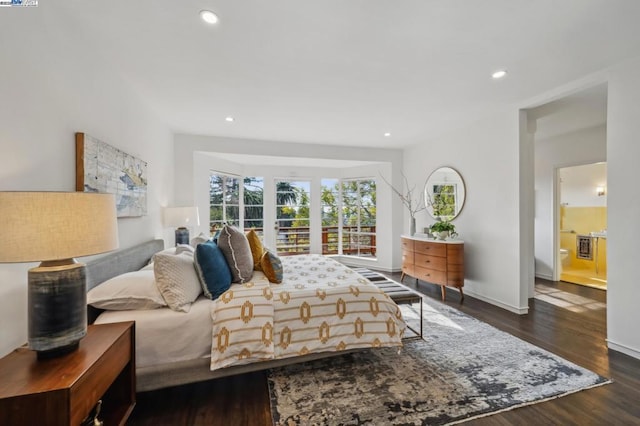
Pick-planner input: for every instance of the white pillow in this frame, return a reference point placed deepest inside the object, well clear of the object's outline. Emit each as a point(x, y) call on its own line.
point(133, 290)
point(170, 250)
point(147, 267)
point(185, 249)
point(179, 249)
point(201, 238)
point(177, 280)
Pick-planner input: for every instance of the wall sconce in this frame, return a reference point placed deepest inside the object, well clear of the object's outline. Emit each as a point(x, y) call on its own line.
point(600, 191)
point(180, 218)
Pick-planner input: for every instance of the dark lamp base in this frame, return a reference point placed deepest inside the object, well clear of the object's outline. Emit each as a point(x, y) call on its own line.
point(57, 309)
point(182, 236)
point(55, 353)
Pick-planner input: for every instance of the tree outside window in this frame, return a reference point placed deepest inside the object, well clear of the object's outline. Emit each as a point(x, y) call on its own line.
point(224, 200)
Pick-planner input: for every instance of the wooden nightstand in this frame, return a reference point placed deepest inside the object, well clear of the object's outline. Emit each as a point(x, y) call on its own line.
point(63, 391)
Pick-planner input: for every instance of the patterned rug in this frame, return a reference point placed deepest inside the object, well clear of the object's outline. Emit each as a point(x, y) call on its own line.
point(464, 369)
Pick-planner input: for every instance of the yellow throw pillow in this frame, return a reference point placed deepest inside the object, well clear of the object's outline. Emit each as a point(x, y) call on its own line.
point(257, 249)
point(272, 267)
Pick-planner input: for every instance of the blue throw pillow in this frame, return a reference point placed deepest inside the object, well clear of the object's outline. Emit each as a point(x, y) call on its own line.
point(213, 271)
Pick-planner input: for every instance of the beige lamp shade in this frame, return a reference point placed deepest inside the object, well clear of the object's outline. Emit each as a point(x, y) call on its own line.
point(181, 217)
point(46, 226)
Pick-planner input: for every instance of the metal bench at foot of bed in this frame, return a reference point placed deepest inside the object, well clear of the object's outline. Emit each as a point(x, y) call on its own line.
point(402, 295)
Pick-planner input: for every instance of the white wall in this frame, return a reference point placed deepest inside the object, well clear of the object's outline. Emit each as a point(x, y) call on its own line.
point(623, 200)
point(51, 86)
point(486, 154)
point(579, 147)
point(579, 185)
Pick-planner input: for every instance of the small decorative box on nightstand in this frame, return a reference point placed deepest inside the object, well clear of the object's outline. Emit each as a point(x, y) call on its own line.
point(64, 390)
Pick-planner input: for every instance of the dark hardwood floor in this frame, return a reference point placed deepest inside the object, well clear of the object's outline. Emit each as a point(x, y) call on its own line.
point(567, 319)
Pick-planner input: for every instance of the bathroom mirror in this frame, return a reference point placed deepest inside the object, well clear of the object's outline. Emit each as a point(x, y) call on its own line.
point(444, 194)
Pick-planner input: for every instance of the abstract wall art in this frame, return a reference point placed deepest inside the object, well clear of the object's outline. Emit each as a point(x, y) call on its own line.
point(101, 167)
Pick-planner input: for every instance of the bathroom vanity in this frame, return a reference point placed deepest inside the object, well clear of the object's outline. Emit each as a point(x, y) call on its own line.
point(434, 261)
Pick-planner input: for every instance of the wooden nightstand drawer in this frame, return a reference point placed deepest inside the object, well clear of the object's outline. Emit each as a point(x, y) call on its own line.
point(93, 385)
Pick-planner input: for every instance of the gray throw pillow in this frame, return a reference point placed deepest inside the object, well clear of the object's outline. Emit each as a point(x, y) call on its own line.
point(237, 252)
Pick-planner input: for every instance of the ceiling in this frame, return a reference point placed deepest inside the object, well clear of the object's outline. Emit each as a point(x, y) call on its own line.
point(345, 72)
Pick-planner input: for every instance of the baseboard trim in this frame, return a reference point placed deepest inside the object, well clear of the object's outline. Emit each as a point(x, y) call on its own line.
point(545, 277)
point(363, 263)
point(514, 309)
point(623, 348)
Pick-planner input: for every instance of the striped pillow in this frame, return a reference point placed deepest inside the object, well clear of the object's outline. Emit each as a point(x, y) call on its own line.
point(237, 252)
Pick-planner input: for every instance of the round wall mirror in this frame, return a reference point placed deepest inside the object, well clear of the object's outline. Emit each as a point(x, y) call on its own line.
point(444, 194)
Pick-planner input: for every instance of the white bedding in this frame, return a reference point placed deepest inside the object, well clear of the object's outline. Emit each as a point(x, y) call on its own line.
point(165, 336)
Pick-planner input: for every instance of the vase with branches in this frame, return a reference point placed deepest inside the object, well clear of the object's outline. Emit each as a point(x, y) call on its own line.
point(409, 201)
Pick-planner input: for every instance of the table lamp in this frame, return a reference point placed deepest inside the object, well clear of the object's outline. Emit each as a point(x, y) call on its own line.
point(180, 218)
point(53, 228)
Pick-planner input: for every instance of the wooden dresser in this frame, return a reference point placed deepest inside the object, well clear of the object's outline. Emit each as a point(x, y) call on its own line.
point(434, 261)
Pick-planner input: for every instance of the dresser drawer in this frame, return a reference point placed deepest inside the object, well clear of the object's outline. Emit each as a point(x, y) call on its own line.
point(455, 253)
point(432, 249)
point(431, 262)
point(409, 269)
point(431, 275)
point(455, 267)
point(407, 258)
point(407, 245)
point(435, 262)
point(455, 278)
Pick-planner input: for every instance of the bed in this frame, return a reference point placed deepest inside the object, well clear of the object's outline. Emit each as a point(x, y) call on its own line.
point(174, 348)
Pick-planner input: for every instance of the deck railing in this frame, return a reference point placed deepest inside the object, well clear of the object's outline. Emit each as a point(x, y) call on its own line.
point(295, 240)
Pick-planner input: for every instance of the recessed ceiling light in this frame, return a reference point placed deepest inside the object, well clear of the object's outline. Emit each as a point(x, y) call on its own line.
point(499, 74)
point(229, 119)
point(209, 17)
point(387, 134)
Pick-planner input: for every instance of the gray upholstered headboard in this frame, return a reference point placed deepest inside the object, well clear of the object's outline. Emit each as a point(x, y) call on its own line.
point(120, 261)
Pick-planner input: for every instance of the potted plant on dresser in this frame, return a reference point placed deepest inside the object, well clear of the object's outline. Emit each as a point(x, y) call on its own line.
point(443, 229)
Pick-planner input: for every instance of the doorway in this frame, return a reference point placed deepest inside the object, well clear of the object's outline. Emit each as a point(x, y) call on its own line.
point(582, 214)
point(565, 132)
point(293, 218)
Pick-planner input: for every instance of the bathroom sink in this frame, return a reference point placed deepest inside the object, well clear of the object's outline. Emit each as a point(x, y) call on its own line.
point(599, 234)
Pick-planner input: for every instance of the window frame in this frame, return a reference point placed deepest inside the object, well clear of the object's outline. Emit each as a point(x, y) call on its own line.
point(239, 221)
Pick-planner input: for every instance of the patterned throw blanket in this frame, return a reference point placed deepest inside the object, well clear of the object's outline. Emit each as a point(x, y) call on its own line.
point(322, 306)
